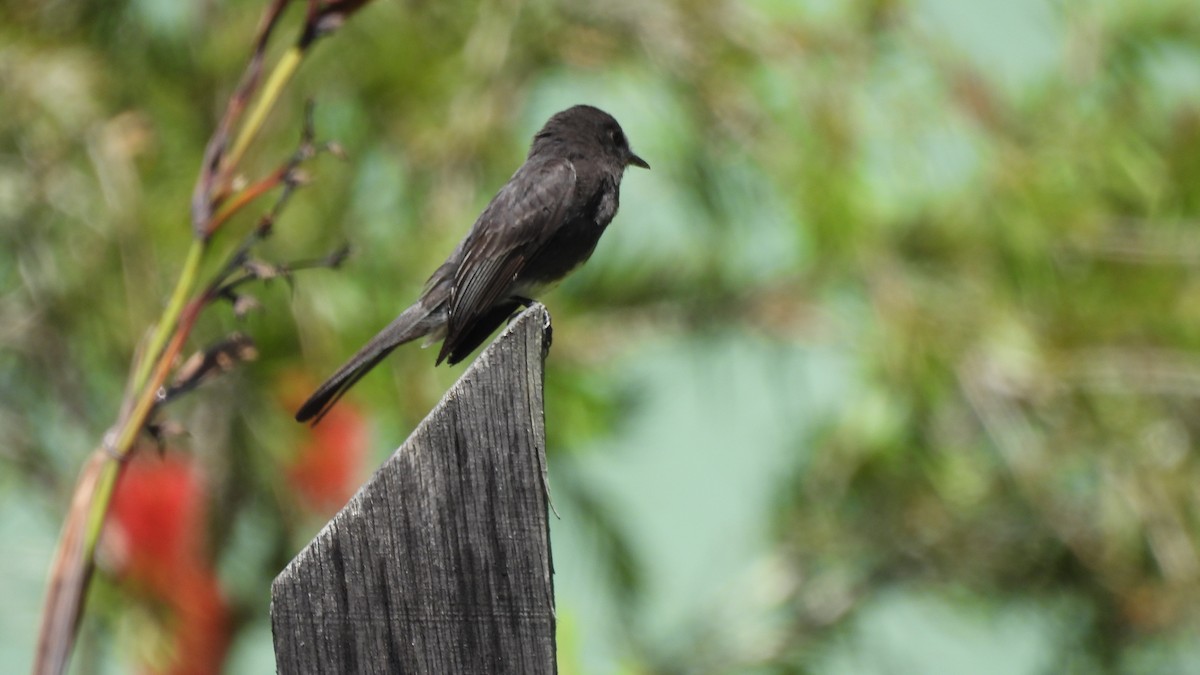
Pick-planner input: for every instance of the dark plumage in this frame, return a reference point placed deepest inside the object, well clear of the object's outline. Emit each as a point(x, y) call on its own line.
point(543, 223)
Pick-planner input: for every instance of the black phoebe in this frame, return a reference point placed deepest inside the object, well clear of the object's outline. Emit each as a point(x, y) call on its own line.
point(543, 223)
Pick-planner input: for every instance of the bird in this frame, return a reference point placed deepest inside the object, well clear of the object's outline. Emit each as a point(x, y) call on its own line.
point(542, 224)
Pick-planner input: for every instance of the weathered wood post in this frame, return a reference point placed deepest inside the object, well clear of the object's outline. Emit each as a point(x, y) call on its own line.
point(441, 562)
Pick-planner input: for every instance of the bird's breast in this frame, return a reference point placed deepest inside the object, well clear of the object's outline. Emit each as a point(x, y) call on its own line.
point(569, 247)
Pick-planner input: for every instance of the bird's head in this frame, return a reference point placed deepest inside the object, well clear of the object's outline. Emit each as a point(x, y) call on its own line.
point(592, 128)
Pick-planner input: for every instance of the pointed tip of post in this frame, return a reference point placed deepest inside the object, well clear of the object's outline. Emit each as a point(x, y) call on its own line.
point(462, 501)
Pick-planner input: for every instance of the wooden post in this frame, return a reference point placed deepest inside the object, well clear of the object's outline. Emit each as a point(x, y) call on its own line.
point(441, 562)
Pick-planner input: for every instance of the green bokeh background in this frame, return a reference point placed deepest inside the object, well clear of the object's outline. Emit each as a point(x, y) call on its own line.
point(887, 366)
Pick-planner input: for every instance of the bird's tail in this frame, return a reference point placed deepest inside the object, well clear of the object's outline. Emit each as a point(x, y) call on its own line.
point(414, 322)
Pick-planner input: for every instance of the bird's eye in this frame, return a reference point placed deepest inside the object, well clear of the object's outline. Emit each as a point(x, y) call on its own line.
point(616, 136)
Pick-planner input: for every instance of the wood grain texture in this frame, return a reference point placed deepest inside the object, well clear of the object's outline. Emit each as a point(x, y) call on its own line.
point(441, 562)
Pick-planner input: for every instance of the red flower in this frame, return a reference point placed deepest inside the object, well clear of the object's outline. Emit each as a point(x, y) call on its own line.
point(327, 468)
point(154, 543)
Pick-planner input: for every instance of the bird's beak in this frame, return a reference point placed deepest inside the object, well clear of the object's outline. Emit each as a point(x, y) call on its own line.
point(637, 161)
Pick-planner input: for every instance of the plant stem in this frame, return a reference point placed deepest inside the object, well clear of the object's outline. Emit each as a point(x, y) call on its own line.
point(287, 66)
point(166, 324)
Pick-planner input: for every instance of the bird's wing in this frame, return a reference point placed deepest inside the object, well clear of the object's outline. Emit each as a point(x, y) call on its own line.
point(519, 219)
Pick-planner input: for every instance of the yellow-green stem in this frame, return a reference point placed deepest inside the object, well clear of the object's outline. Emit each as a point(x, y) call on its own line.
point(106, 482)
point(270, 94)
point(166, 324)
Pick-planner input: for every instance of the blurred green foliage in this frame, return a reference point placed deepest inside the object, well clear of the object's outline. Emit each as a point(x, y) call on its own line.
point(888, 365)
